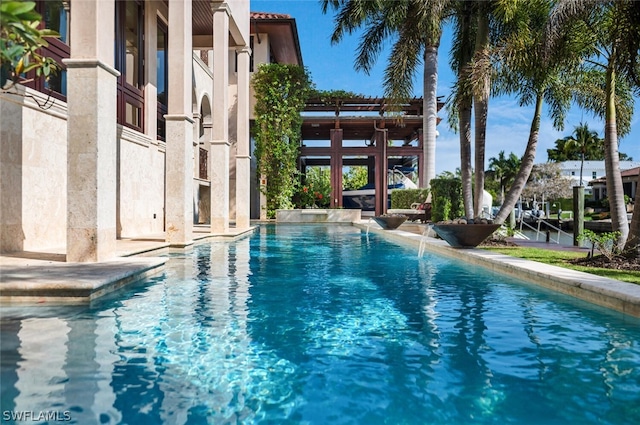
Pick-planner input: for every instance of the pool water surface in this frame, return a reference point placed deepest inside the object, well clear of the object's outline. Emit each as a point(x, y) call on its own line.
point(321, 325)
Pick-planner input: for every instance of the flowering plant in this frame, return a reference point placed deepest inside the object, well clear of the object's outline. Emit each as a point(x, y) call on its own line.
point(309, 197)
point(316, 190)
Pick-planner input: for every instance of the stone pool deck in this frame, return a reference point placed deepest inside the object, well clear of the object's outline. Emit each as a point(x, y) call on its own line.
point(610, 293)
point(46, 278)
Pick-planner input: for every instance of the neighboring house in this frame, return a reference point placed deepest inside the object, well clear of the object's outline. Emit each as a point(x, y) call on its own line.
point(629, 184)
point(149, 131)
point(591, 170)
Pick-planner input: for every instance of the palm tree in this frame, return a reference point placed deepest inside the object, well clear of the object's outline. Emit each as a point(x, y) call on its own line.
point(524, 68)
point(585, 141)
point(462, 96)
point(417, 24)
point(472, 90)
point(567, 150)
point(504, 170)
point(612, 69)
point(482, 83)
point(470, 60)
point(488, 13)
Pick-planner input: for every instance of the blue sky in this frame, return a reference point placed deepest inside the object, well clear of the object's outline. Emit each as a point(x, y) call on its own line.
point(331, 68)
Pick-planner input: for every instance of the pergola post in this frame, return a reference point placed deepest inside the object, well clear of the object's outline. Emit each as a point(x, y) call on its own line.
point(336, 167)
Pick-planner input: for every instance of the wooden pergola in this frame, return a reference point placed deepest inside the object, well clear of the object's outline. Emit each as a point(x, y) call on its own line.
point(358, 131)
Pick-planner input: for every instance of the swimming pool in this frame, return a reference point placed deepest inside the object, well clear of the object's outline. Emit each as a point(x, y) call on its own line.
point(321, 325)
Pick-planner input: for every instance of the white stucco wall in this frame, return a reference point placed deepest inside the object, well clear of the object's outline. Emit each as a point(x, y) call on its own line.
point(239, 23)
point(33, 184)
point(260, 55)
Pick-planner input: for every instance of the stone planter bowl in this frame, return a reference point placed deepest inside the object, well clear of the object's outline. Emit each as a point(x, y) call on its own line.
point(390, 222)
point(464, 235)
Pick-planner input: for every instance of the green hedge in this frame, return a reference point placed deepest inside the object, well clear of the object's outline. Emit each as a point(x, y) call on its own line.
point(566, 204)
point(404, 198)
point(446, 198)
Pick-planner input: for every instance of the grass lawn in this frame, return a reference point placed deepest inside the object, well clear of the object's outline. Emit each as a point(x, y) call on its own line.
point(559, 258)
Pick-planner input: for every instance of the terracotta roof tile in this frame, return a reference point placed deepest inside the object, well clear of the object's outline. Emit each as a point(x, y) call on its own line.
point(269, 15)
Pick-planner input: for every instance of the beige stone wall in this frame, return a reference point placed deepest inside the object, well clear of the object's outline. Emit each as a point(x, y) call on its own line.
point(33, 155)
point(141, 184)
point(33, 182)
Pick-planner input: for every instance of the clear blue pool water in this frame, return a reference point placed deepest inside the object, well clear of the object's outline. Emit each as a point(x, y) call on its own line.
point(322, 325)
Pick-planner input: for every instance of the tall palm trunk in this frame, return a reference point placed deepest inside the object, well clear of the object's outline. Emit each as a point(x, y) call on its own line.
point(430, 116)
point(464, 115)
point(480, 110)
point(464, 103)
point(526, 166)
point(481, 107)
point(615, 192)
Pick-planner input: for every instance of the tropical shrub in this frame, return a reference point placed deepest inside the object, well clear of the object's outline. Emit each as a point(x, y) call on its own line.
point(315, 189)
point(446, 199)
point(603, 242)
point(404, 198)
point(355, 177)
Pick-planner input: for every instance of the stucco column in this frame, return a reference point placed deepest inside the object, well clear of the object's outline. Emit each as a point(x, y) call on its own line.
point(179, 155)
point(91, 134)
point(219, 152)
point(243, 157)
point(196, 167)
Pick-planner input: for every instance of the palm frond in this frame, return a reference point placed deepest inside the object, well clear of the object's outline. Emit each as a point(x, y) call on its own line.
point(379, 27)
point(589, 93)
point(399, 73)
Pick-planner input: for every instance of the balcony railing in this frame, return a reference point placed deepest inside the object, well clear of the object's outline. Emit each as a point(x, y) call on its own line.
point(204, 160)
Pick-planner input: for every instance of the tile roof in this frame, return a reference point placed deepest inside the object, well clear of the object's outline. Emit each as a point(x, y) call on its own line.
point(630, 172)
point(269, 15)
